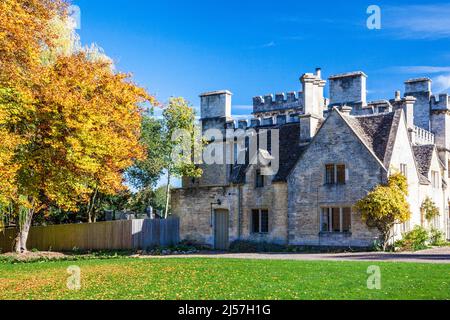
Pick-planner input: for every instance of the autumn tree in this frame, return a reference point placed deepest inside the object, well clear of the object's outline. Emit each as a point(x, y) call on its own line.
point(386, 206)
point(84, 134)
point(70, 125)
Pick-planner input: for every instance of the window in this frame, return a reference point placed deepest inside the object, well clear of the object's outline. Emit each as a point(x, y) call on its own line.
point(404, 169)
point(435, 179)
point(335, 174)
point(260, 221)
point(329, 175)
point(259, 179)
point(341, 174)
point(336, 220)
point(347, 220)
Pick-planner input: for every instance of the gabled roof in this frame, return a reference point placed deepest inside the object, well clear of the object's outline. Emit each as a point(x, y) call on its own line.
point(378, 132)
point(424, 156)
point(289, 153)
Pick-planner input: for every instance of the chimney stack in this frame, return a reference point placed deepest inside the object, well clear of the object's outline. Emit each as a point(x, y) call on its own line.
point(348, 88)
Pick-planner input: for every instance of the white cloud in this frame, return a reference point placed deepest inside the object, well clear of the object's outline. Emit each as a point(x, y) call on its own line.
point(431, 21)
point(442, 83)
point(263, 46)
point(268, 45)
point(419, 69)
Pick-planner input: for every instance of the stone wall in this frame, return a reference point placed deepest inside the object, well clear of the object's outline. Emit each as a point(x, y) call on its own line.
point(193, 207)
point(334, 144)
point(402, 154)
point(273, 197)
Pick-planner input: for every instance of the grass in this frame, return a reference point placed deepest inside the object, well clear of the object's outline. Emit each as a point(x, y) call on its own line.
point(173, 279)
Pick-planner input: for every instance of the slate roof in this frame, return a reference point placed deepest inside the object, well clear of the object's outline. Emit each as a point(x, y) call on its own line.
point(376, 131)
point(424, 155)
point(290, 152)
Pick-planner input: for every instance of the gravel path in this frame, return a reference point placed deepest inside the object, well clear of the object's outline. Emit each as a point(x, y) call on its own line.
point(438, 255)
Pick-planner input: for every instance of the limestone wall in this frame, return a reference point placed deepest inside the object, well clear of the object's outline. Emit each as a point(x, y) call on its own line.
point(335, 143)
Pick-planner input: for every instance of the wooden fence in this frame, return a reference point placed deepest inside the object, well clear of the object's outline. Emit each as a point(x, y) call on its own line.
point(112, 235)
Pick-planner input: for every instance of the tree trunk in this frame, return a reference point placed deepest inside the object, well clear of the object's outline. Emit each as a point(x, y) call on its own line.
point(386, 238)
point(23, 231)
point(91, 206)
point(166, 213)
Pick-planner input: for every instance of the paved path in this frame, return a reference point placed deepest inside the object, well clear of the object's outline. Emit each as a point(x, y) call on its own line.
point(439, 255)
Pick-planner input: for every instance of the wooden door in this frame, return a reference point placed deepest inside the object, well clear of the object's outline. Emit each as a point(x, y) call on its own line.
point(221, 230)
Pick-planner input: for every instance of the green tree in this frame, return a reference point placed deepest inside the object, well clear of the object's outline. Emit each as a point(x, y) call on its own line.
point(179, 117)
point(386, 206)
point(159, 198)
point(145, 173)
point(163, 140)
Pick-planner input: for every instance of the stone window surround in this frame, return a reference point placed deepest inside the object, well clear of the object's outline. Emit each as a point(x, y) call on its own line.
point(336, 179)
point(341, 207)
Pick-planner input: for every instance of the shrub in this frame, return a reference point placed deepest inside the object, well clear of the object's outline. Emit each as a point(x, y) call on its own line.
point(386, 206)
point(414, 240)
point(437, 238)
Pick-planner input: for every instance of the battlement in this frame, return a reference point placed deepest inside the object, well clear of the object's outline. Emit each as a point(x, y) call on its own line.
point(256, 122)
point(282, 101)
point(440, 102)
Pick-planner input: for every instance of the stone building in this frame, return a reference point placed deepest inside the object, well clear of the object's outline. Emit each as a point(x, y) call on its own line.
point(330, 152)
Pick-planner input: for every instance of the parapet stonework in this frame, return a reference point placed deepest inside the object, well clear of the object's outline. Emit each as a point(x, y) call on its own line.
point(282, 101)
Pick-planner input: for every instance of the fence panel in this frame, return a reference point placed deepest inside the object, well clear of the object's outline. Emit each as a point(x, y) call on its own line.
point(111, 235)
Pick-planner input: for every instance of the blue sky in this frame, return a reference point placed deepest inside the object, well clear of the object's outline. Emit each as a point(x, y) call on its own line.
point(183, 48)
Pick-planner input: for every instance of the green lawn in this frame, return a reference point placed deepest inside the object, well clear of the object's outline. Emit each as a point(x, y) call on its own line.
point(223, 279)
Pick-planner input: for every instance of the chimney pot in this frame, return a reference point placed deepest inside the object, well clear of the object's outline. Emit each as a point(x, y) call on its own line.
point(319, 73)
point(346, 110)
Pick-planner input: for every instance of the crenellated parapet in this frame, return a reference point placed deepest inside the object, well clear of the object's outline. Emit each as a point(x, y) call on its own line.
point(277, 102)
point(440, 103)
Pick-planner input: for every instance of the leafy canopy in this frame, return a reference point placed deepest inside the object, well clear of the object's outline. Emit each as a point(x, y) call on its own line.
point(386, 206)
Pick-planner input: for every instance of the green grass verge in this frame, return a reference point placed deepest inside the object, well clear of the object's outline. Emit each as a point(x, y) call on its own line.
point(222, 279)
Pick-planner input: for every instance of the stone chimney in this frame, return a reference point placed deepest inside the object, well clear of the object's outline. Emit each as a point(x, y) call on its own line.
point(421, 90)
point(417, 85)
point(348, 88)
point(313, 91)
point(215, 109)
point(346, 110)
point(216, 104)
point(408, 107)
point(313, 103)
